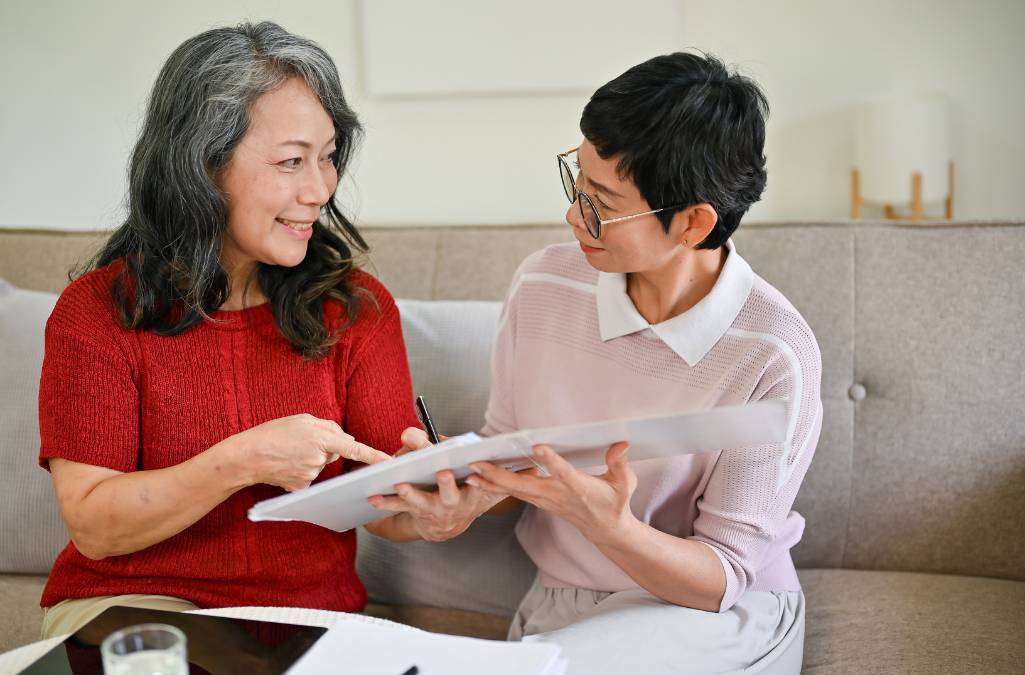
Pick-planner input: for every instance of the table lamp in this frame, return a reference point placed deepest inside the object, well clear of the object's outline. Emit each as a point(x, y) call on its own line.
point(903, 157)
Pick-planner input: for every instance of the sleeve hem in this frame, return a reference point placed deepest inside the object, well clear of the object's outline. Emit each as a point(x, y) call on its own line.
point(46, 455)
point(731, 592)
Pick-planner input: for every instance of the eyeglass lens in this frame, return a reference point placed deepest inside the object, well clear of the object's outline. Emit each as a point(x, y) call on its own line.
point(590, 215)
point(569, 183)
point(587, 210)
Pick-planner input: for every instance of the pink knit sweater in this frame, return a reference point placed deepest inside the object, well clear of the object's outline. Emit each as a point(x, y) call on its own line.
point(572, 348)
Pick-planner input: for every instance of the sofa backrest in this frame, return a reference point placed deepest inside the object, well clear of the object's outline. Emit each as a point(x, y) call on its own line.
point(921, 463)
point(31, 531)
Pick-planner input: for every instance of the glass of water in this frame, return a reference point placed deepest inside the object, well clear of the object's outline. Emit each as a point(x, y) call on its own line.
point(147, 649)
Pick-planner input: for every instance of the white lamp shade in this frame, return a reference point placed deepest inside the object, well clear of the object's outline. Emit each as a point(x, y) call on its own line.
point(899, 137)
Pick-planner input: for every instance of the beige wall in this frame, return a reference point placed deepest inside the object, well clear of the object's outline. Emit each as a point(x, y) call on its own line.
point(75, 76)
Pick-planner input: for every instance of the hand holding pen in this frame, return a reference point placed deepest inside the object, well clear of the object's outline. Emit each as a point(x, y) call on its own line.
point(414, 438)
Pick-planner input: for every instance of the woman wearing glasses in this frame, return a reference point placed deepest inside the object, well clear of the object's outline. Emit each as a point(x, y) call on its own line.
point(679, 565)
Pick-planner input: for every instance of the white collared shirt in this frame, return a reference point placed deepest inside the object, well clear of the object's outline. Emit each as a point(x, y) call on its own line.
point(691, 334)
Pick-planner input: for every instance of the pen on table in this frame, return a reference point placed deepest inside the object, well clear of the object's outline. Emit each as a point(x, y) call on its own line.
point(425, 417)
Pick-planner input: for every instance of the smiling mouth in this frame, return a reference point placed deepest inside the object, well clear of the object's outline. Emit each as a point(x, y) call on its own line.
point(295, 225)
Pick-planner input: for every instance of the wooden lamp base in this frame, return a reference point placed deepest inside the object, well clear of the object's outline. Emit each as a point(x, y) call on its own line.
point(917, 212)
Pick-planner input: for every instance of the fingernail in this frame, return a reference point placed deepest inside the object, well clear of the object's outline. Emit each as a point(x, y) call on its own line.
point(471, 480)
point(539, 451)
point(474, 468)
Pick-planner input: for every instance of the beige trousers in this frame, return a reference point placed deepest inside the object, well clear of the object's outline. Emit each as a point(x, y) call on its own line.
point(635, 632)
point(68, 616)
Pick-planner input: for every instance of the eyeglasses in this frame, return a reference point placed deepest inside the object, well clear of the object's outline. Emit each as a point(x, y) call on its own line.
point(592, 220)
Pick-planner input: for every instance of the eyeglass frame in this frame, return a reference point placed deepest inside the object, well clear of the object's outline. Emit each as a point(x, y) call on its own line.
point(582, 197)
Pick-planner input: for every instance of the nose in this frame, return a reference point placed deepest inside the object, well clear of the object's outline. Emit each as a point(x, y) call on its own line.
point(318, 187)
point(573, 217)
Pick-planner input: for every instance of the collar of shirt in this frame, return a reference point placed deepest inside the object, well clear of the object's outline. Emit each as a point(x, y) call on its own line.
point(691, 334)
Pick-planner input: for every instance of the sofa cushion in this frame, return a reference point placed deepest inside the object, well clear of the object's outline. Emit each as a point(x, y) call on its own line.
point(449, 348)
point(484, 569)
point(940, 435)
point(31, 529)
point(20, 614)
point(902, 622)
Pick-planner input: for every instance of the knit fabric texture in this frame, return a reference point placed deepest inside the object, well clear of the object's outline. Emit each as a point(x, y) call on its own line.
point(131, 400)
point(746, 343)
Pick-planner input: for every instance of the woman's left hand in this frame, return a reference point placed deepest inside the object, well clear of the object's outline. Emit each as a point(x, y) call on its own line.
point(599, 506)
point(441, 515)
point(434, 516)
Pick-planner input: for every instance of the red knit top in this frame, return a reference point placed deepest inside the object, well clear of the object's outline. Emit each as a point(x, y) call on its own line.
point(133, 400)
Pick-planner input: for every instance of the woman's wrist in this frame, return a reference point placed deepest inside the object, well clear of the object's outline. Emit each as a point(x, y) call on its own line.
point(397, 527)
point(230, 461)
point(618, 534)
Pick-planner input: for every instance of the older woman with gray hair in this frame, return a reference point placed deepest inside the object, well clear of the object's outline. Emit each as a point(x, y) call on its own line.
point(223, 347)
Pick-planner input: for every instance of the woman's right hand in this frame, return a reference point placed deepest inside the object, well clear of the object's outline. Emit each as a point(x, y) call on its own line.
point(290, 452)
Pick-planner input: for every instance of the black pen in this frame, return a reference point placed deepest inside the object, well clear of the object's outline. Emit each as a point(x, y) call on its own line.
point(413, 670)
point(425, 417)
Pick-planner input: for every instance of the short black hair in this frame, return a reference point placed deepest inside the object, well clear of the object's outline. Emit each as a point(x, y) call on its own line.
point(687, 131)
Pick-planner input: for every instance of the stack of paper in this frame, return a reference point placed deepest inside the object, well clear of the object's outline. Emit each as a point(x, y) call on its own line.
point(379, 649)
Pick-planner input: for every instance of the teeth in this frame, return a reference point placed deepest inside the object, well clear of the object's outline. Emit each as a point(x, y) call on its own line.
point(294, 225)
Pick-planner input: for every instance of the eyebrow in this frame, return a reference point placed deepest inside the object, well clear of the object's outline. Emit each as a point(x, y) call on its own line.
point(301, 143)
point(596, 184)
point(599, 186)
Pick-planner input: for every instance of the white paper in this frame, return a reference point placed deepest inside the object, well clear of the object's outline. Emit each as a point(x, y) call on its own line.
point(341, 503)
point(375, 649)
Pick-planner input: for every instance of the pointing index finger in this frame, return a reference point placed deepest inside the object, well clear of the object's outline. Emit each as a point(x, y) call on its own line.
point(361, 452)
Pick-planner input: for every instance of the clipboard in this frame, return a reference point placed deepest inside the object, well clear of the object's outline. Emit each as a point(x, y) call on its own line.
point(340, 503)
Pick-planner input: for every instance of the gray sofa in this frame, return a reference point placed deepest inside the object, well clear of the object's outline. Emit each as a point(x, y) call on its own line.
point(913, 560)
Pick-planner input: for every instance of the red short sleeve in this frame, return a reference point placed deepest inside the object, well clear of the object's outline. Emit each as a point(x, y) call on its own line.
point(88, 401)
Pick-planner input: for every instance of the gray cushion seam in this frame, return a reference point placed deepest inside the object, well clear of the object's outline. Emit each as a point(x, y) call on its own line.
point(854, 404)
point(437, 266)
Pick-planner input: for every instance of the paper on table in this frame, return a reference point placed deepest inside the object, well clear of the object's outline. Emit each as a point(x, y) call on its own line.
point(375, 649)
point(341, 502)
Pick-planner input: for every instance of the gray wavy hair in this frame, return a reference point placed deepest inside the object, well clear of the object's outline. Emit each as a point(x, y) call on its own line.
point(170, 242)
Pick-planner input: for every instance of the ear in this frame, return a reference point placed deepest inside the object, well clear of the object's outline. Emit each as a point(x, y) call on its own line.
point(692, 226)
